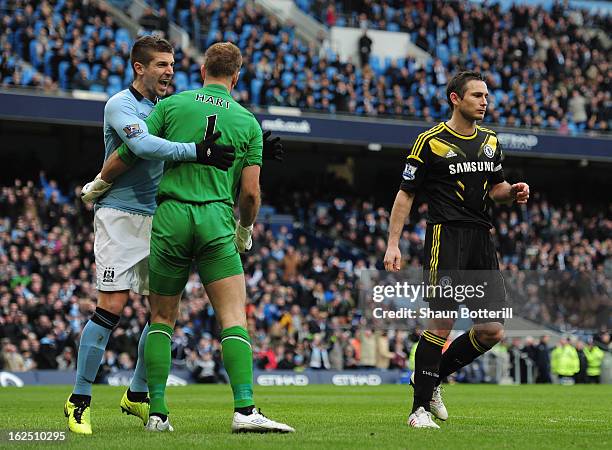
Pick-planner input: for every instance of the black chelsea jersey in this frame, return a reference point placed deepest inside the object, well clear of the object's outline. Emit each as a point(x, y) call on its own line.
point(456, 172)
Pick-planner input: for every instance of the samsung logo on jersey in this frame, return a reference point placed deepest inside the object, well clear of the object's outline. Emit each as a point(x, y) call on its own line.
point(302, 127)
point(471, 166)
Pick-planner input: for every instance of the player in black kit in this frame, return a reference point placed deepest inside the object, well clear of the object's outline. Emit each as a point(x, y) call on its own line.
point(457, 164)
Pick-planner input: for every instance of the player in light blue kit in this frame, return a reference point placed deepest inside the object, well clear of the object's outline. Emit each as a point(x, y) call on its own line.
point(123, 217)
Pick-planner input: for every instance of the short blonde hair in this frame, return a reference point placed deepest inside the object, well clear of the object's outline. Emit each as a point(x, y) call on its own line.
point(222, 59)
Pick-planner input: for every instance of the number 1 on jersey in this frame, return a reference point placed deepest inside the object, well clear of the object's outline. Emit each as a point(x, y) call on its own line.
point(211, 122)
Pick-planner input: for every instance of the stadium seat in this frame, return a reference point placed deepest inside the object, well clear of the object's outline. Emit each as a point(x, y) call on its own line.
point(256, 85)
point(443, 53)
point(181, 81)
point(122, 36)
point(97, 88)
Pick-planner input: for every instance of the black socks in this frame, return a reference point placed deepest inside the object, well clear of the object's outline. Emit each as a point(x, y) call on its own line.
point(427, 367)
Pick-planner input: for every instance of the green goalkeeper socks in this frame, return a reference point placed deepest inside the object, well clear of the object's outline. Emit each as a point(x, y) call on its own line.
point(158, 360)
point(238, 362)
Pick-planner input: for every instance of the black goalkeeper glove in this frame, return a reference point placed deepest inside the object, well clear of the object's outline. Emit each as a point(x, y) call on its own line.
point(216, 155)
point(272, 148)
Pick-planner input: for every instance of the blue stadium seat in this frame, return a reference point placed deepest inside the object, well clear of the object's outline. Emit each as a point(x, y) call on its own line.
point(63, 81)
point(112, 89)
point(88, 30)
point(443, 53)
point(453, 44)
point(27, 75)
point(375, 64)
point(97, 88)
point(331, 71)
point(289, 59)
point(170, 7)
point(33, 56)
point(129, 72)
point(195, 77)
point(122, 36)
point(181, 81)
point(85, 66)
point(99, 50)
point(117, 61)
point(287, 78)
point(256, 90)
point(183, 18)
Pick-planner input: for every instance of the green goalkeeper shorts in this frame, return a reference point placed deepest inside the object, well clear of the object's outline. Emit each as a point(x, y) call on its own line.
point(183, 233)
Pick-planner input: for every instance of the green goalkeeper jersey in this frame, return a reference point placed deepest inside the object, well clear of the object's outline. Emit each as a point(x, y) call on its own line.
point(187, 117)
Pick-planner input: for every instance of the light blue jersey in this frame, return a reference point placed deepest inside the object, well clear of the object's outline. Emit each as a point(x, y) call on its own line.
point(135, 190)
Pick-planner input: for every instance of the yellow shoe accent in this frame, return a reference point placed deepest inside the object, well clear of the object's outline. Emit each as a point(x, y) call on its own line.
point(79, 420)
point(138, 409)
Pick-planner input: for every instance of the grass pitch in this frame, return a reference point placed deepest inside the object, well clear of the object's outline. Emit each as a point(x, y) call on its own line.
point(481, 417)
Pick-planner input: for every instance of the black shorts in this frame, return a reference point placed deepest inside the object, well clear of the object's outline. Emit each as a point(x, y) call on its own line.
point(463, 257)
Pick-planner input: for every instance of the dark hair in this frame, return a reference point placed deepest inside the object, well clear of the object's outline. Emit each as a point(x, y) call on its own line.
point(222, 59)
point(145, 46)
point(459, 81)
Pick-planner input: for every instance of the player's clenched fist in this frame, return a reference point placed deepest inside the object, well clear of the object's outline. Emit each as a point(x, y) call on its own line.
point(393, 259)
point(520, 192)
point(94, 189)
point(243, 238)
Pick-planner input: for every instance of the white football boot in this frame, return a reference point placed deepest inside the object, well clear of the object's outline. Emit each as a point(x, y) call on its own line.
point(156, 424)
point(436, 405)
point(421, 419)
point(256, 422)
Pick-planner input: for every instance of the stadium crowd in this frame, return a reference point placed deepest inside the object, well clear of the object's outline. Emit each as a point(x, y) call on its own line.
point(564, 248)
point(545, 69)
point(303, 309)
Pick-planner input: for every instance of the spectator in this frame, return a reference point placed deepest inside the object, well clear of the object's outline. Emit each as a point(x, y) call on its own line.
point(580, 377)
point(594, 358)
point(81, 80)
point(383, 354)
point(149, 20)
point(319, 359)
point(543, 360)
point(66, 360)
point(11, 359)
point(365, 48)
point(577, 108)
point(564, 361)
point(202, 369)
point(368, 349)
point(287, 363)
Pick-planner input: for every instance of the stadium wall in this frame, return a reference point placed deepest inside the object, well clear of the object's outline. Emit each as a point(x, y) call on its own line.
point(183, 377)
point(375, 133)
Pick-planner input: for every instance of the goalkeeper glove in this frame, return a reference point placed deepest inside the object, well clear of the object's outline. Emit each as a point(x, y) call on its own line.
point(94, 189)
point(272, 148)
point(215, 155)
point(243, 238)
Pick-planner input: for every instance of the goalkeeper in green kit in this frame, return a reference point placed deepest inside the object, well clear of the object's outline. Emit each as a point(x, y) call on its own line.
point(194, 222)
